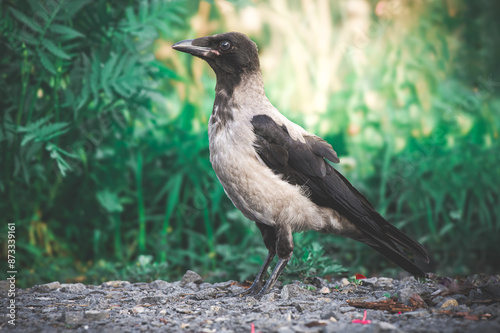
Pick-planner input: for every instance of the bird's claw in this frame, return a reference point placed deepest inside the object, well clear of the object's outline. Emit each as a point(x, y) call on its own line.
point(253, 290)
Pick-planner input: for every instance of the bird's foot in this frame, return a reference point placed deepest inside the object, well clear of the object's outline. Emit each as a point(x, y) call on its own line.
point(253, 290)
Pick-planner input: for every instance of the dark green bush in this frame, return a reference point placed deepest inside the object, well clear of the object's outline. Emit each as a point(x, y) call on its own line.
point(104, 161)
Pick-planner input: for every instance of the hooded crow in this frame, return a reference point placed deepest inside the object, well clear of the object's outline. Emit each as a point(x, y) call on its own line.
point(276, 173)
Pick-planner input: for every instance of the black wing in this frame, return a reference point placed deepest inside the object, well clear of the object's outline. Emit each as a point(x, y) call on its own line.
point(304, 164)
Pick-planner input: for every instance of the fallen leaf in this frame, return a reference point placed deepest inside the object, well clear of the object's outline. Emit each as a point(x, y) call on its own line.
point(389, 305)
point(417, 302)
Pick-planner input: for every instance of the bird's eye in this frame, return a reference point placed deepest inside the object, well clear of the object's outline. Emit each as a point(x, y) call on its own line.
point(225, 45)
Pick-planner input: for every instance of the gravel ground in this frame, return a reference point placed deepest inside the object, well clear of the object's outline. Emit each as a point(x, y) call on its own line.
point(190, 305)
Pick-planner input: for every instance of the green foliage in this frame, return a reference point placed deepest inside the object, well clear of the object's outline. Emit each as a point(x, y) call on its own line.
point(79, 129)
point(104, 163)
point(143, 270)
point(309, 259)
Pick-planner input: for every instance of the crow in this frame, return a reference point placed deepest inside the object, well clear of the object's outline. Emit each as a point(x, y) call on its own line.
point(276, 173)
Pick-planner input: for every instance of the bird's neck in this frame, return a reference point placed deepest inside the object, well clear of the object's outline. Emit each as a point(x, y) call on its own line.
point(247, 87)
point(238, 101)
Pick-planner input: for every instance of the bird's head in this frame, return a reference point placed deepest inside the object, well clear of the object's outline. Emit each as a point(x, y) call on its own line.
point(229, 54)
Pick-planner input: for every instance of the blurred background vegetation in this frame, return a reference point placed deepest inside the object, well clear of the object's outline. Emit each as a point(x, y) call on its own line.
point(104, 163)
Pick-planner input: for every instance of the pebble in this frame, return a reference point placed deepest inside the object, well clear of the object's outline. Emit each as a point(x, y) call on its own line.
point(190, 276)
point(115, 284)
point(159, 284)
point(208, 293)
point(451, 302)
point(384, 282)
point(96, 315)
point(138, 309)
point(416, 313)
point(292, 291)
point(161, 306)
point(73, 287)
point(405, 293)
point(72, 317)
point(154, 299)
point(325, 290)
point(344, 282)
point(370, 282)
point(47, 287)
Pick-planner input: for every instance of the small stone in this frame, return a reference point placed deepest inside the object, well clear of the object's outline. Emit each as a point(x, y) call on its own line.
point(330, 310)
point(409, 278)
point(208, 330)
point(316, 323)
point(405, 293)
point(115, 284)
point(204, 285)
point(192, 286)
point(47, 287)
point(291, 291)
point(72, 317)
point(208, 293)
point(344, 282)
point(155, 299)
point(215, 308)
point(384, 282)
point(159, 284)
point(72, 287)
point(138, 309)
point(183, 311)
point(96, 315)
point(451, 302)
point(416, 314)
point(345, 309)
point(269, 297)
point(318, 282)
point(325, 290)
point(387, 327)
point(370, 282)
point(224, 285)
point(306, 307)
point(190, 276)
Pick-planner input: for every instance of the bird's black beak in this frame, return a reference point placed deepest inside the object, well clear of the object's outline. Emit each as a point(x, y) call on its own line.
point(196, 50)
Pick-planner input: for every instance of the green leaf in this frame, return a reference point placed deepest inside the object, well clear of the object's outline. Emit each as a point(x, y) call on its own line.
point(46, 62)
point(24, 19)
point(106, 74)
point(58, 52)
point(34, 125)
point(129, 12)
point(143, 11)
point(67, 32)
point(61, 163)
point(109, 201)
point(94, 76)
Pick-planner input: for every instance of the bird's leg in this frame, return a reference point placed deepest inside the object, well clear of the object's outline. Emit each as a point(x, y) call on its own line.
point(258, 282)
point(269, 236)
point(284, 249)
